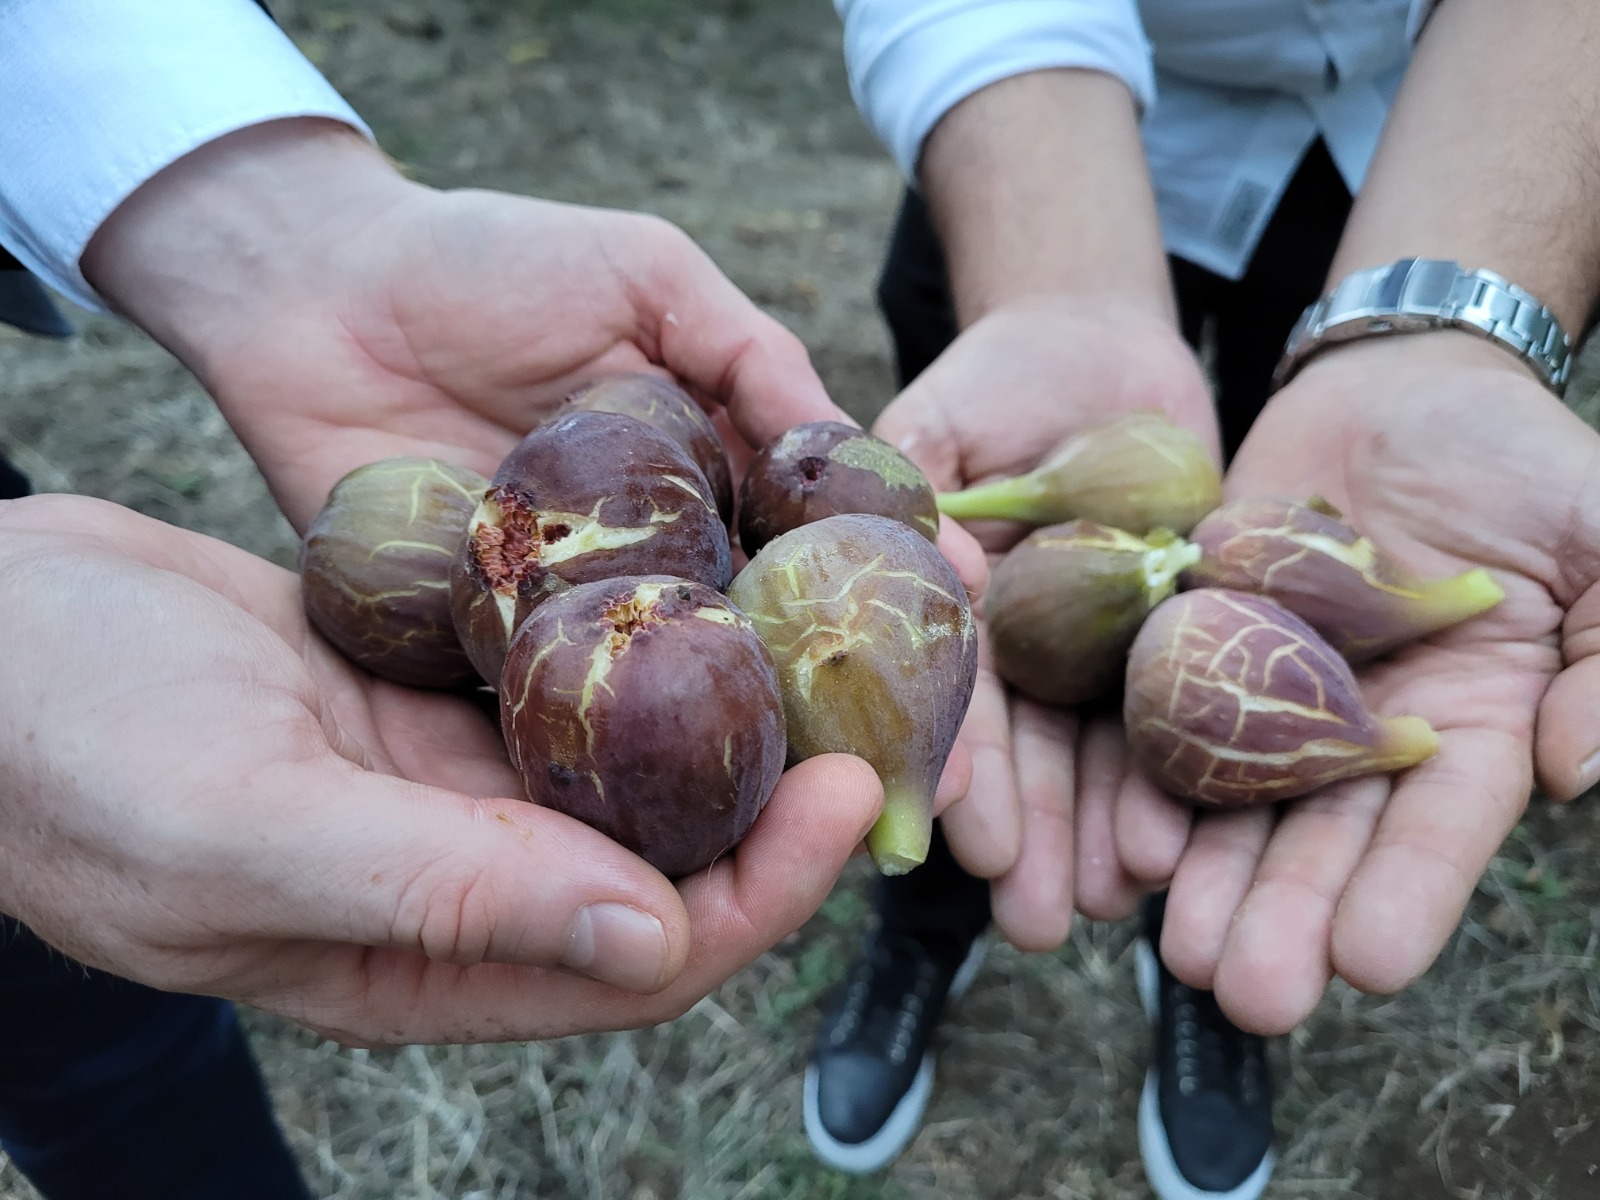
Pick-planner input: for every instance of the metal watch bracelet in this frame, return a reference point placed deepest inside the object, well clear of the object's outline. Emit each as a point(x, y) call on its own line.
point(1417, 294)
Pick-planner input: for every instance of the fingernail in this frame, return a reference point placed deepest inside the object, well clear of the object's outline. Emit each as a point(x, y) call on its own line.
point(619, 945)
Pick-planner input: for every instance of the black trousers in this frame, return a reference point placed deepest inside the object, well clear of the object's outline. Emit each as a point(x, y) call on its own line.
point(1248, 320)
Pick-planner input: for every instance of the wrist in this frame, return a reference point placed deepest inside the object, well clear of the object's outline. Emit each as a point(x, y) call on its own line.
point(241, 226)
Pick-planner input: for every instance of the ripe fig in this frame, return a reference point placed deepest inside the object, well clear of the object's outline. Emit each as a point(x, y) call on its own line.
point(823, 468)
point(1231, 700)
point(658, 401)
point(375, 568)
point(647, 707)
point(877, 655)
point(1310, 561)
point(1064, 604)
point(1139, 472)
point(587, 496)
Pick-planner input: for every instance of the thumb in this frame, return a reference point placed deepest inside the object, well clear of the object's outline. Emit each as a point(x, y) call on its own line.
point(1567, 736)
point(370, 860)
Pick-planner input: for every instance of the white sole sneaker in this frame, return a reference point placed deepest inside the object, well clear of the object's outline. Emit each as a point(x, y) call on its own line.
point(1155, 1151)
point(883, 1147)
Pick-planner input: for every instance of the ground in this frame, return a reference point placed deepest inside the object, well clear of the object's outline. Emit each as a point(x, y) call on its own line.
point(733, 119)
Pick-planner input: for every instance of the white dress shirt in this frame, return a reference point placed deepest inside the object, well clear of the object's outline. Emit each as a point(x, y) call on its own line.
point(1233, 92)
point(96, 96)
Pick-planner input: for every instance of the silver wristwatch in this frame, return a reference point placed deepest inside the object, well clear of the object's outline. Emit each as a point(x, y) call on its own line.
point(1416, 294)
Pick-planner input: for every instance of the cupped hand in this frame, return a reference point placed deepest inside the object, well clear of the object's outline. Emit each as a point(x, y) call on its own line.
point(1009, 389)
point(196, 793)
point(1449, 456)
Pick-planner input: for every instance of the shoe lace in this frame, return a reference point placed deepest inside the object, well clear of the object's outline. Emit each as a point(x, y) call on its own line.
point(1210, 1052)
point(878, 989)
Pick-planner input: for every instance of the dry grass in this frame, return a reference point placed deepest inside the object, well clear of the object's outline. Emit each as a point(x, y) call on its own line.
point(1479, 1082)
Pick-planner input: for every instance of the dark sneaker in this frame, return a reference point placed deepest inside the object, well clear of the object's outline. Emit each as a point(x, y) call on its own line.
point(871, 1069)
point(1205, 1118)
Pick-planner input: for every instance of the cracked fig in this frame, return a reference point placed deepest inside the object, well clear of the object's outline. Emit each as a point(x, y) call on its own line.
point(646, 707)
point(877, 655)
point(1233, 700)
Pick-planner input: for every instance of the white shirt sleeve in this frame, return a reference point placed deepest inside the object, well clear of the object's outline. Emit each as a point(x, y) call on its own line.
point(96, 96)
point(911, 61)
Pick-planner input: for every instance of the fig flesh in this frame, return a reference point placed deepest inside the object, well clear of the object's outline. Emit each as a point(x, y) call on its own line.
point(658, 401)
point(823, 468)
point(375, 568)
point(587, 496)
point(1233, 700)
point(1307, 558)
point(877, 655)
point(647, 708)
point(1064, 604)
point(1139, 472)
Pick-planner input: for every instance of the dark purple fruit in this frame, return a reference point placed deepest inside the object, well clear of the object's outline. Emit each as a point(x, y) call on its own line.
point(375, 568)
point(590, 495)
point(658, 401)
point(647, 708)
point(824, 468)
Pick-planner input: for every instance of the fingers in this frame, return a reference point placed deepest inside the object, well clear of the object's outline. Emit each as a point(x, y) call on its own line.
point(1207, 889)
point(1105, 892)
point(713, 338)
point(965, 555)
point(984, 828)
point(1275, 960)
point(1032, 903)
point(1434, 842)
point(1567, 741)
point(1151, 830)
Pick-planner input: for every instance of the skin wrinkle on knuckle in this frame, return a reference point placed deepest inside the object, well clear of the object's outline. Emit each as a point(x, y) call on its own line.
point(447, 913)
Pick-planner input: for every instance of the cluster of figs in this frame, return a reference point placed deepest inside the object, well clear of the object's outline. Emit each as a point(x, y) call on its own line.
point(642, 686)
point(1229, 629)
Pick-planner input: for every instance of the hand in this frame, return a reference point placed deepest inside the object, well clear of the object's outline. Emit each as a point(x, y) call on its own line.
point(340, 313)
point(1014, 385)
point(1449, 455)
point(196, 793)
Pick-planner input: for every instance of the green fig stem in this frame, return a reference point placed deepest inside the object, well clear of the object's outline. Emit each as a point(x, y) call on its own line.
point(1404, 742)
point(899, 839)
point(1013, 499)
point(1163, 565)
point(1447, 601)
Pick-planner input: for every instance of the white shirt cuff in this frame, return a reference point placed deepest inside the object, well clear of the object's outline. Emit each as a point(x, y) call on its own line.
point(912, 61)
point(99, 95)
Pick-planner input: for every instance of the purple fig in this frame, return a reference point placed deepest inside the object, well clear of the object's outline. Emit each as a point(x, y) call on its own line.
point(1309, 560)
point(1233, 700)
point(877, 655)
point(590, 495)
point(647, 708)
point(823, 468)
point(659, 401)
point(1064, 604)
point(375, 568)
point(1139, 472)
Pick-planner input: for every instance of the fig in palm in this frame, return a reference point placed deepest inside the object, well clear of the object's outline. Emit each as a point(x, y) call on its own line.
point(659, 401)
point(375, 568)
point(823, 468)
point(1064, 604)
point(1233, 700)
point(1139, 472)
point(588, 496)
point(1310, 560)
point(877, 655)
point(647, 708)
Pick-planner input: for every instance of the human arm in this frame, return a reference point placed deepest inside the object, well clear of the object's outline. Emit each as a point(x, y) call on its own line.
point(1449, 454)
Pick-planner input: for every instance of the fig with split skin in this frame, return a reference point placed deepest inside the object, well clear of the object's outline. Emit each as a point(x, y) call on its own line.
point(647, 708)
point(823, 468)
point(1139, 472)
point(587, 496)
point(659, 401)
point(375, 568)
point(1232, 700)
point(877, 656)
point(1307, 558)
point(1064, 604)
